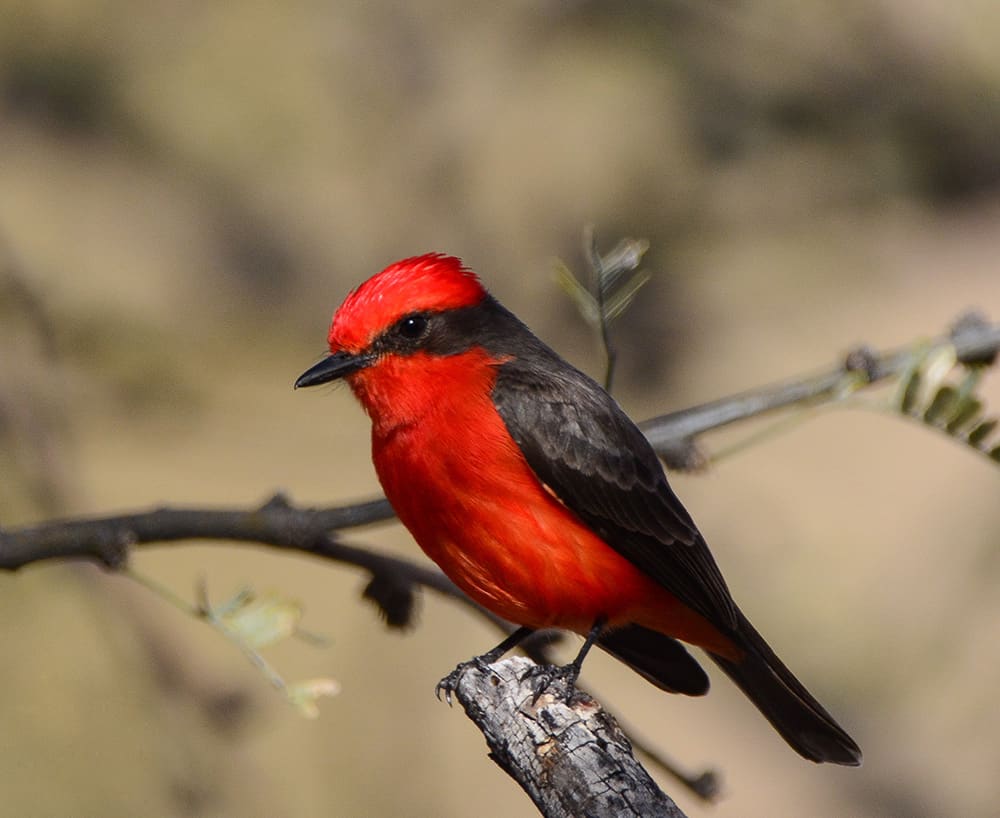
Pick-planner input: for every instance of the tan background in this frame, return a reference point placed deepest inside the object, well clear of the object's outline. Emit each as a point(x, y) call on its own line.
point(188, 189)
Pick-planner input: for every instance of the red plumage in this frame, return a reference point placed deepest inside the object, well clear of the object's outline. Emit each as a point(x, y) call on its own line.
point(527, 484)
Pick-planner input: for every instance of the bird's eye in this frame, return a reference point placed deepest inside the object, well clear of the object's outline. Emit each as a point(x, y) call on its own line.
point(412, 326)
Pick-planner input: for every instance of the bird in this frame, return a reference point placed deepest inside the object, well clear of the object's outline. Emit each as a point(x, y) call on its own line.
point(535, 493)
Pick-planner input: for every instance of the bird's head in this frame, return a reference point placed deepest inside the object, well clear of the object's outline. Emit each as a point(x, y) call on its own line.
point(396, 314)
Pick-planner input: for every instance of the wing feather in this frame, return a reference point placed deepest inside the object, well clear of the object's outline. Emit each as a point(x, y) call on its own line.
point(580, 444)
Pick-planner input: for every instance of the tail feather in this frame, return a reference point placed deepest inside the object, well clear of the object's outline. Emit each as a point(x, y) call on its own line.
point(659, 659)
point(783, 700)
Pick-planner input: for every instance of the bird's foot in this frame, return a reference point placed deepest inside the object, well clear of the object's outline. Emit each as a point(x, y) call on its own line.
point(545, 677)
point(449, 684)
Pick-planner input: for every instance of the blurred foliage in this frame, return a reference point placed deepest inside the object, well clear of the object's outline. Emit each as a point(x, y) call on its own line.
point(614, 281)
point(941, 392)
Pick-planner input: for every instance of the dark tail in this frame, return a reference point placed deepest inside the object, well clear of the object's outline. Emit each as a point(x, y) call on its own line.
point(796, 715)
point(657, 658)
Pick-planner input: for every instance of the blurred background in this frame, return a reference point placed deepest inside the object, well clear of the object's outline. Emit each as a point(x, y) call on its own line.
point(187, 190)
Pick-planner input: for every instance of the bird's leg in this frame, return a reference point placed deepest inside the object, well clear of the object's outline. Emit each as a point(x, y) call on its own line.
point(542, 676)
point(450, 682)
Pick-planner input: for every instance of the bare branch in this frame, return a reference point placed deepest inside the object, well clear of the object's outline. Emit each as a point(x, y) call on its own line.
point(276, 523)
point(565, 751)
point(975, 339)
point(108, 540)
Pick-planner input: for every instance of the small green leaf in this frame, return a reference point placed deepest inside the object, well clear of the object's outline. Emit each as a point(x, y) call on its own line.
point(240, 599)
point(910, 393)
point(936, 367)
point(621, 300)
point(928, 376)
point(981, 432)
point(250, 621)
point(939, 390)
point(965, 413)
point(623, 260)
point(585, 303)
point(942, 406)
point(261, 621)
point(969, 384)
point(304, 696)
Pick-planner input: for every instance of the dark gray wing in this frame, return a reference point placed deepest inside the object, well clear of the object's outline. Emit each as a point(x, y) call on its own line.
point(580, 443)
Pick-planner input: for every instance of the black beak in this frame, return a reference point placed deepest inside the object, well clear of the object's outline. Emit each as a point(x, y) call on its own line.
point(332, 368)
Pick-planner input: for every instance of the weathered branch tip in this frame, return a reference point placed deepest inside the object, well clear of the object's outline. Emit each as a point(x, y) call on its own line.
point(569, 756)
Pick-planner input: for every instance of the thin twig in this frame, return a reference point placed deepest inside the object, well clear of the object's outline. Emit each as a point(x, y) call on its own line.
point(673, 435)
point(598, 289)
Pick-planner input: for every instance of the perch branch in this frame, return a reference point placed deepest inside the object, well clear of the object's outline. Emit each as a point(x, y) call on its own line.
point(565, 751)
point(108, 540)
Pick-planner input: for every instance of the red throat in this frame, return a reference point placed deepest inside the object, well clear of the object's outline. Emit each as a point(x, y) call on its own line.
point(400, 391)
point(463, 488)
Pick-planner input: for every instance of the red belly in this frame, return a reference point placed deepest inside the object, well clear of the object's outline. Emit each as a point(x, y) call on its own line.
point(463, 488)
point(512, 546)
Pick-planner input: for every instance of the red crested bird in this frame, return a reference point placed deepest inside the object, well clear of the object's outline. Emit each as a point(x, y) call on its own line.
point(533, 491)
